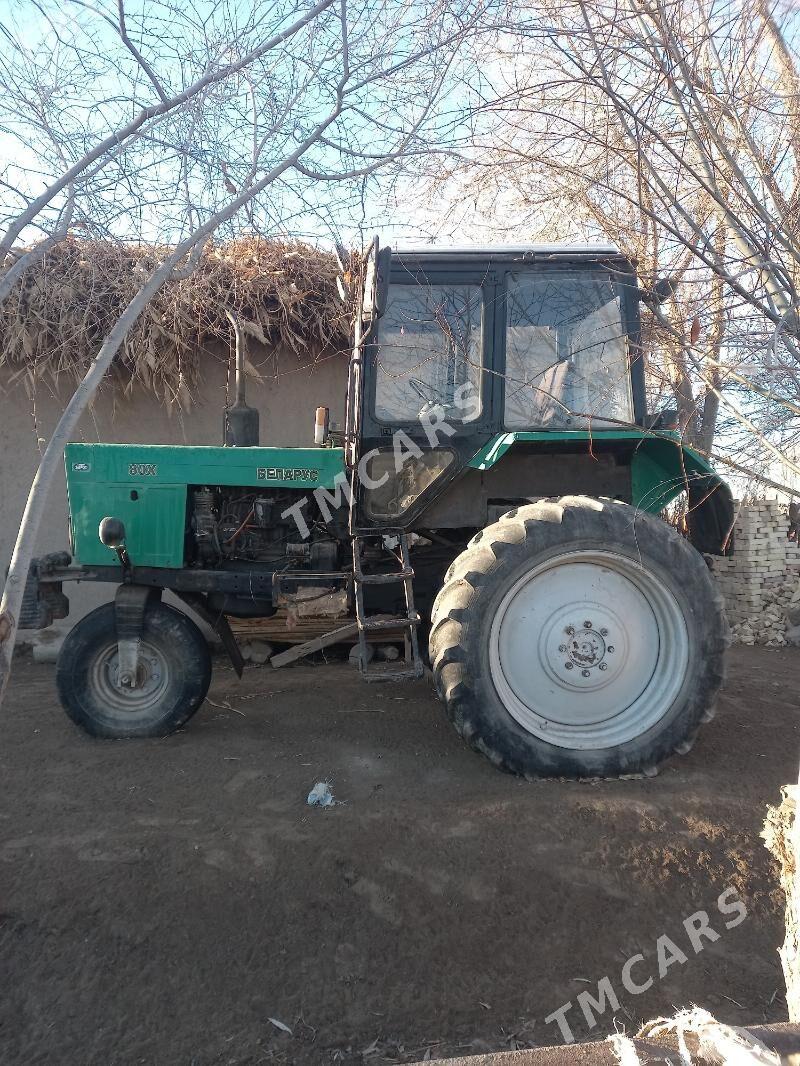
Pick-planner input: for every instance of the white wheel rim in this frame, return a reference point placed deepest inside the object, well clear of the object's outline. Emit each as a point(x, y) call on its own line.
point(588, 650)
point(120, 701)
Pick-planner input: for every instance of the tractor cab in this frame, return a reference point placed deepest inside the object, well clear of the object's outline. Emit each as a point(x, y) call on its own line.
point(464, 355)
point(508, 339)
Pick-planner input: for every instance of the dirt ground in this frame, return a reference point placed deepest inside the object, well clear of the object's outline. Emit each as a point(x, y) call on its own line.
point(163, 901)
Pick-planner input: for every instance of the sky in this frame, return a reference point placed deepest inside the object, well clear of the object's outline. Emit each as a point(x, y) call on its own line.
point(392, 205)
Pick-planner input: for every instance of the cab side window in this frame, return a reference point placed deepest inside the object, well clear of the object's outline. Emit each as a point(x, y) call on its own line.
point(566, 352)
point(430, 352)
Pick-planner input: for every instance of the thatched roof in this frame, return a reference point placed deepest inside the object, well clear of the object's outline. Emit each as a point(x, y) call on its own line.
point(283, 293)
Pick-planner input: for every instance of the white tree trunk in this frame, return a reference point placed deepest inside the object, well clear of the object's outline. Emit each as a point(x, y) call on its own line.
point(14, 590)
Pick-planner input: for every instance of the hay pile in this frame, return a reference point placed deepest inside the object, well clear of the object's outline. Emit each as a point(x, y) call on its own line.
point(284, 294)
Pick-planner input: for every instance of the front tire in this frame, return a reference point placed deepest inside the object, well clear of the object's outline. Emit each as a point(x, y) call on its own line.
point(173, 677)
point(578, 638)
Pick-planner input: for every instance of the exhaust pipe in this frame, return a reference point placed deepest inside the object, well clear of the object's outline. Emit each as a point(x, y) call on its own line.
point(241, 421)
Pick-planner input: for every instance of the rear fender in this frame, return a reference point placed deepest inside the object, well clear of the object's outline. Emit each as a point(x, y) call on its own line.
point(663, 467)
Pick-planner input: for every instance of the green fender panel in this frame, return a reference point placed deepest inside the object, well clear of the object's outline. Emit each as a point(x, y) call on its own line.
point(661, 468)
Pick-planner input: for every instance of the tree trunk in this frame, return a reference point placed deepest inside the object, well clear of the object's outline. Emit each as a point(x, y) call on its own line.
point(17, 577)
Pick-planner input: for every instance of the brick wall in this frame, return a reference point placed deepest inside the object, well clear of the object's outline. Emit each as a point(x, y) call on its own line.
point(760, 580)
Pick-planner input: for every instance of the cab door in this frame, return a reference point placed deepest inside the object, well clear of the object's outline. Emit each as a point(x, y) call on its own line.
point(429, 386)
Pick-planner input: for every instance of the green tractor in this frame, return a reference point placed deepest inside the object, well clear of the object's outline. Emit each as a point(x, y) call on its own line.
point(495, 492)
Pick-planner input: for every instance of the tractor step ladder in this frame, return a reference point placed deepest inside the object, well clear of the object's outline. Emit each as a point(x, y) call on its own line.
point(411, 667)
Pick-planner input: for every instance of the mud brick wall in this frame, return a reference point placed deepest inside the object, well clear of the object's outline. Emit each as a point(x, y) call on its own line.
point(760, 580)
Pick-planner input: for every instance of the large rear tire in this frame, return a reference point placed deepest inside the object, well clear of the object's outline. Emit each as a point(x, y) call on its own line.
point(173, 677)
point(578, 638)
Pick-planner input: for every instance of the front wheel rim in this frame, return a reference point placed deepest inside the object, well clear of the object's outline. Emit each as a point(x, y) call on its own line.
point(588, 650)
point(120, 701)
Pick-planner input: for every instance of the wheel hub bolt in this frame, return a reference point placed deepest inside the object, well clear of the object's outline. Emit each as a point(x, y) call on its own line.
point(587, 625)
point(585, 673)
point(569, 630)
point(562, 647)
point(603, 632)
point(610, 648)
point(603, 666)
point(568, 666)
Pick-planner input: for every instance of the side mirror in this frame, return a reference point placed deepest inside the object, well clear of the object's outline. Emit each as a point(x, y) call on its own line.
point(664, 289)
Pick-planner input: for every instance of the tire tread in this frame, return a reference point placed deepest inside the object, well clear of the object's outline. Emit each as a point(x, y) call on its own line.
point(528, 529)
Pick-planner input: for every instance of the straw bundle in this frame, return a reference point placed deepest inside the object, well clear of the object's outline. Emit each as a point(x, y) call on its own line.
point(284, 294)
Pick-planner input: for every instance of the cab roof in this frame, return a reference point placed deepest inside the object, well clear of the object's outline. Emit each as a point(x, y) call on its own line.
point(474, 255)
point(508, 249)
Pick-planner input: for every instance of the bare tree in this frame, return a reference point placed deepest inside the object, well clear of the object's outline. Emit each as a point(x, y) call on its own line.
point(673, 129)
point(272, 116)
